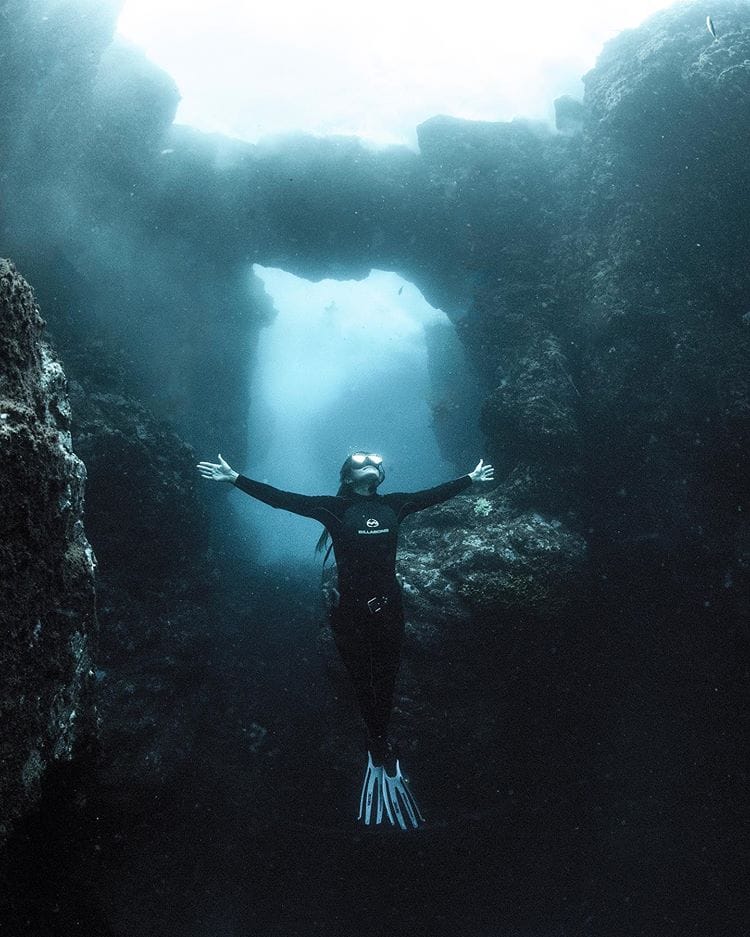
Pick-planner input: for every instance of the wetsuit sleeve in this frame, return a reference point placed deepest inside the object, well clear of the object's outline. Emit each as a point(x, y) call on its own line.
point(319, 507)
point(407, 503)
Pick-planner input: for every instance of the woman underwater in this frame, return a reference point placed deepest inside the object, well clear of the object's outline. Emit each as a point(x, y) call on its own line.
point(368, 621)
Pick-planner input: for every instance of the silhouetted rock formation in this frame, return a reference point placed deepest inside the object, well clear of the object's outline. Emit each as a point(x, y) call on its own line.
point(47, 605)
point(156, 577)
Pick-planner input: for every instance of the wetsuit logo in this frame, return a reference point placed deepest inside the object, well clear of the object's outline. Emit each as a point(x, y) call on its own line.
point(372, 526)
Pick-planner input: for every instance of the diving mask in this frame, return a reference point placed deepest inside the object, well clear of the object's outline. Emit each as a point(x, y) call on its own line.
point(358, 459)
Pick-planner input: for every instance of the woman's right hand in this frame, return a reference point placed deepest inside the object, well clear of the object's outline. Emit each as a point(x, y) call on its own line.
point(222, 472)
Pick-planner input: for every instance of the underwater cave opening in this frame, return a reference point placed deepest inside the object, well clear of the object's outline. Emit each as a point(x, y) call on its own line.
point(345, 364)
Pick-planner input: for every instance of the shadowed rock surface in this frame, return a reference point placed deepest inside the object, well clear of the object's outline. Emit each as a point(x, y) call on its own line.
point(47, 602)
point(156, 582)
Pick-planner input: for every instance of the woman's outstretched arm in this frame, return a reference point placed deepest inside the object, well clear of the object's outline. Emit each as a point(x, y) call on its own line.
point(407, 503)
point(318, 507)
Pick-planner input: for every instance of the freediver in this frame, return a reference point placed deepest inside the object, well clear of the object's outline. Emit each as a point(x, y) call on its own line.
point(367, 619)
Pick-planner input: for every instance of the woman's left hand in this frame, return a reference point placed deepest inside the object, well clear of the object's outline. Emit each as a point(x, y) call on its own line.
point(482, 473)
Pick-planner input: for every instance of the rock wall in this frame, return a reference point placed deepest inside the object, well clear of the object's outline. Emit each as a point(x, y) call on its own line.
point(117, 665)
point(157, 576)
point(663, 346)
point(47, 601)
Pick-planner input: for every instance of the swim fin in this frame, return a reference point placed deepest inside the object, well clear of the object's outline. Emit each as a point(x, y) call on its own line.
point(383, 793)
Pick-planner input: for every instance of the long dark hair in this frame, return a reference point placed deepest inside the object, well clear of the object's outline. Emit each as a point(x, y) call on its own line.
point(345, 484)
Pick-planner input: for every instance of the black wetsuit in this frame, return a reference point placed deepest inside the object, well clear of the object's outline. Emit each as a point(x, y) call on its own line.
point(368, 623)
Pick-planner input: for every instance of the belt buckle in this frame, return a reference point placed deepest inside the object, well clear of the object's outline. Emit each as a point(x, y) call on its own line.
point(376, 604)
